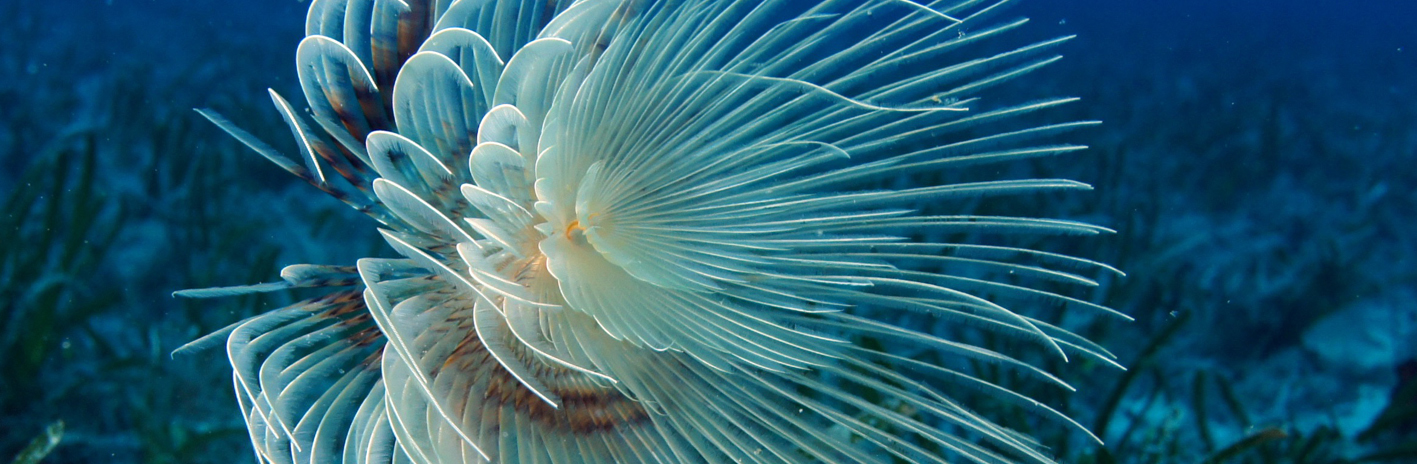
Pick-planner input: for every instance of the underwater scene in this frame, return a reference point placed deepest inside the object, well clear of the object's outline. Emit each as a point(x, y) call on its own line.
point(708, 231)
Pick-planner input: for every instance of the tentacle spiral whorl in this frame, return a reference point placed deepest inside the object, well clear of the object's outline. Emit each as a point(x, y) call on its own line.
point(654, 231)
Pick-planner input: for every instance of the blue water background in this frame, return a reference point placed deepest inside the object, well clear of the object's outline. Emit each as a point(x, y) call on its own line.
point(1259, 159)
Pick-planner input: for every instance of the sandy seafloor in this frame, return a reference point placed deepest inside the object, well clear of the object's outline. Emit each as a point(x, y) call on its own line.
point(1258, 158)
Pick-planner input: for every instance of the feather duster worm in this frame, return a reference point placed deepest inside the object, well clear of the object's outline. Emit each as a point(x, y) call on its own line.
point(651, 231)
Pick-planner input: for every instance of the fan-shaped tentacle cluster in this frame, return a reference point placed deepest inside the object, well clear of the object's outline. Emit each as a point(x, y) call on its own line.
point(650, 231)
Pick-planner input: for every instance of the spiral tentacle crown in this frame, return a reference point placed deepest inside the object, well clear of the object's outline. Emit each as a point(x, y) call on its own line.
point(655, 231)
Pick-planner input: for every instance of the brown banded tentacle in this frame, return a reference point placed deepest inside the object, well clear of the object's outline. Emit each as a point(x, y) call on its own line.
point(587, 406)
